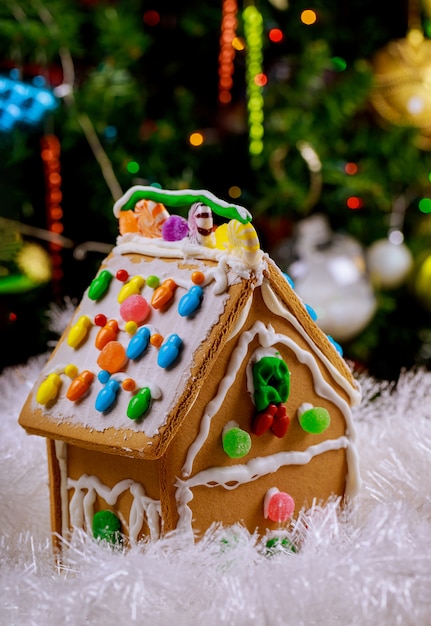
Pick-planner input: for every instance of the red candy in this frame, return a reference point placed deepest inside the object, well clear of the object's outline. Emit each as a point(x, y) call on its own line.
point(100, 319)
point(135, 309)
point(122, 275)
point(281, 422)
point(264, 420)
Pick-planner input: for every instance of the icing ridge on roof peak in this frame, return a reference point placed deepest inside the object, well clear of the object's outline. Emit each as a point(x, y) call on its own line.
point(181, 198)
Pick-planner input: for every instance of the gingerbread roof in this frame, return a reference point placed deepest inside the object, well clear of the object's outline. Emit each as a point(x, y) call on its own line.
point(150, 326)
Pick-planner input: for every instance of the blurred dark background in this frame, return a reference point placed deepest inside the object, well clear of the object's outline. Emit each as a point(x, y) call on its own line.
point(325, 111)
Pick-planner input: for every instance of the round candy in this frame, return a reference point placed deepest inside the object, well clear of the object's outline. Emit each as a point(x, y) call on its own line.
point(100, 319)
point(107, 527)
point(153, 282)
point(279, 506)
point(130, 327)
point(236, 443)
point(156, 340)
point(71, 370)
point(122, 275)
point(135, 309)
point(198, 277)
point(128, 384)
point(113, 357)
point(314, 420)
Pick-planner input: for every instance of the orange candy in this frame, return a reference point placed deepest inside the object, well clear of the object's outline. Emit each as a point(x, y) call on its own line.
point(198, 278)
point(113, 357)
point(164, 293)
point(80, 385)
point(107, 333)
point(128, 384)
point(156, 340)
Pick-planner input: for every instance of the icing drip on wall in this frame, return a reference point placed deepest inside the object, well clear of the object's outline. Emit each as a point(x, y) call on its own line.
point(143, 508)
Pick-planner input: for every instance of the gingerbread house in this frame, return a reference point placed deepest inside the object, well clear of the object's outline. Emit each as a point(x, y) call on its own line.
point(192, 386)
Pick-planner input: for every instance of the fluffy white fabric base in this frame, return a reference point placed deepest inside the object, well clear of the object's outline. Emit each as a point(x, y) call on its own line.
point(369, 565)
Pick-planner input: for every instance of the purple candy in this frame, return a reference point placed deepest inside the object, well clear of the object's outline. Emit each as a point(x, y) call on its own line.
point(175, 228)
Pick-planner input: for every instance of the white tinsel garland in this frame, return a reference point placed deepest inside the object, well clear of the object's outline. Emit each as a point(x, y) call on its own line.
point(370, 565)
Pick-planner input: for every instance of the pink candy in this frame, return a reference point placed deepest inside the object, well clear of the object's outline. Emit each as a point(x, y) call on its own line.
point(279, 505)
point(135, 309)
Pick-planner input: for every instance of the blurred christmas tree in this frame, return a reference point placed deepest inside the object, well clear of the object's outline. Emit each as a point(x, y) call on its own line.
point(283, 107)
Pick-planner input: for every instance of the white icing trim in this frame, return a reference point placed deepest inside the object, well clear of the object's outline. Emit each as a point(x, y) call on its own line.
point(276, 306)
point(231, 477)
point(267, 338)
point(86, 488)
point(60, 448)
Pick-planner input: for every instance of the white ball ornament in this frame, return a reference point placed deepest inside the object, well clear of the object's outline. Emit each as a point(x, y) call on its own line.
point(389, 263)
point(329, 274)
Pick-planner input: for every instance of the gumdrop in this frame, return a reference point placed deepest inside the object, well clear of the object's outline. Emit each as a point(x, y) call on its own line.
point(113, 357)
point(135, 309)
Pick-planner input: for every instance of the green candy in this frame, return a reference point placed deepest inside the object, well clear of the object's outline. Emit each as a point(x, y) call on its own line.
point(277, 545)
point(139, 404)
point(107, 527)
point(153, 282)
point(315, 420)
point(236, 443)
point(271, 380)
point(99, 285)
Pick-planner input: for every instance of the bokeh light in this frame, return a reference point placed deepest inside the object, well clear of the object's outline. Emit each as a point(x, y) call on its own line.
point(275, 35)
point(151, 18)
point(308, 17)
point(196, 139)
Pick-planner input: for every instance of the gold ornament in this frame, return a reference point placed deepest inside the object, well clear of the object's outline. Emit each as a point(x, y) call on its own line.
point(401, 93)
point(402, 89)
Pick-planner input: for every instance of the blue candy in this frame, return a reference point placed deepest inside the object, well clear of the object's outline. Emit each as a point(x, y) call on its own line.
point(106, 396)
point(169, 350)
point(138, 343)
point(190, 301)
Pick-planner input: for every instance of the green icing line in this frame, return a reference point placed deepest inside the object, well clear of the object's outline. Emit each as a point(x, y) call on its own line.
point(179, 199)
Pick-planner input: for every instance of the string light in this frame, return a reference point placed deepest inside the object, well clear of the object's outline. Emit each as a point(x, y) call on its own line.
point(50, 154)
point(253, 30)
point(227, 50)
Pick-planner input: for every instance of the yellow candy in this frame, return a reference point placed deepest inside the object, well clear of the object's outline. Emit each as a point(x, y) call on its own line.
point(243, 237)
point(48, 390)
point(131, 327)
point(71, 370)
point(221, 237)
point(79, 331)
point(131, 288)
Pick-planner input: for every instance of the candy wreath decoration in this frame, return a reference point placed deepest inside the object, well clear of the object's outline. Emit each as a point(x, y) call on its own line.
point(369, 564)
